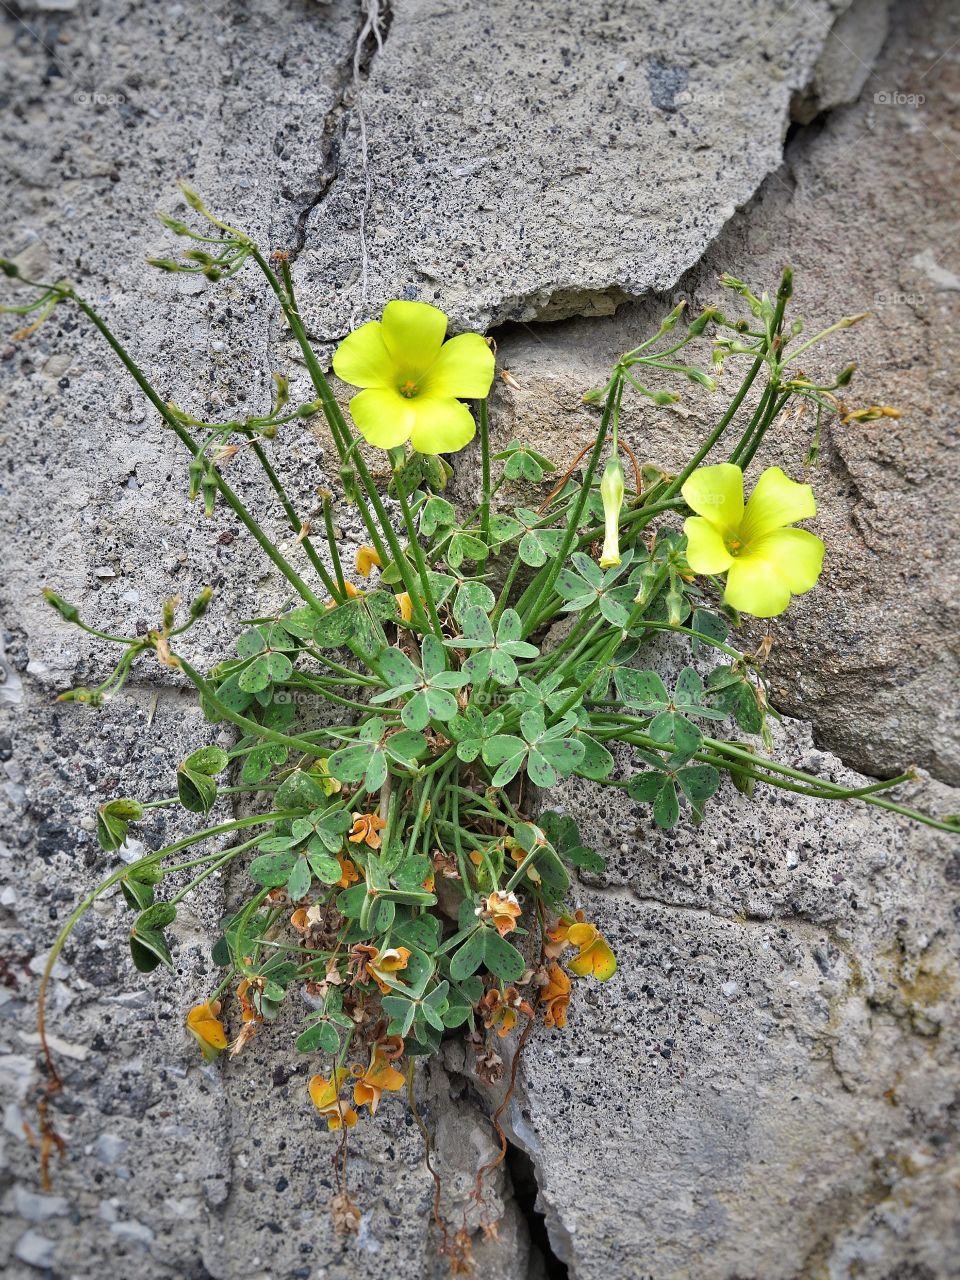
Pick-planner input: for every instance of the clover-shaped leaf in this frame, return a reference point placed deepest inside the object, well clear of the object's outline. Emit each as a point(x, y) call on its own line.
point(470, 730)
point(545, 752)
point(465, 546)
point(367, 760)
point(658, 787)
point(494, 654)
point(524, 463)
point(587, 585)
point(564, 835)
point(537, 545)
point(427, 689)
point(436, 513)
point(735, 694)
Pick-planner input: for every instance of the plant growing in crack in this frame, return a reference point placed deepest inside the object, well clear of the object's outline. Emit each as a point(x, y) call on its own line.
point(404, 864)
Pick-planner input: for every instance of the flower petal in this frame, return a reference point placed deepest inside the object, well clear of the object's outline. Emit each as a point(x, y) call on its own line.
point(384, 417)
point(797, 554)
point(776, 501)
point(706, 550)
point(716, 493)
point(363, 360)
point(755, 585)
point(464, 369)
point(412, 334)
point(440, 426)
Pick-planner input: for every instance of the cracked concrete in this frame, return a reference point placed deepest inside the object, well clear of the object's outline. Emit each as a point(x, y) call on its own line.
point(767, 1087)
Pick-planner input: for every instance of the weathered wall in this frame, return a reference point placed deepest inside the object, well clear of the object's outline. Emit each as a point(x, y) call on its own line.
point(768, 1087)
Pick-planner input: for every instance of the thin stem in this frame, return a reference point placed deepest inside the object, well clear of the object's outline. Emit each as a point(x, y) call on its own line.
point(296, 524)
point(485, 472)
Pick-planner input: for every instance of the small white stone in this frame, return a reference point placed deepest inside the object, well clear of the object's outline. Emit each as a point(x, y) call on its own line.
point(109, 1147)
point(36, 1207)
point(35, 1250)
point(730, 989)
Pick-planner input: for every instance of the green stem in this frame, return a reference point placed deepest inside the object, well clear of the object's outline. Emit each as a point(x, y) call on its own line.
point(485, 472)
point(611, 407)
point(296, 524)
point(417, 550)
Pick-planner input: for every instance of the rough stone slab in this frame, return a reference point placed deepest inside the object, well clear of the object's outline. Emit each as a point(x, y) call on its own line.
point(578, 155)
point(868, 655)
point(764, 1087)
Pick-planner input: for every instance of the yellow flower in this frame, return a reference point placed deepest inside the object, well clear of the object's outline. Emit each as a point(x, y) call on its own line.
point(611, 492)
point(413, 381)
point(763, 559)
point(367, 557)
point(504, 910)
point(325, 1098)
point(377, 1077)
point(388, 962)
point(594, 955)
point(204, 1023)
point(365, 829)
point(556, 996)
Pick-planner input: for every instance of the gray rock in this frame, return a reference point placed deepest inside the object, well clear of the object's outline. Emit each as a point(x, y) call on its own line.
point(551, 176)
point(846, 61)
point(868, 656)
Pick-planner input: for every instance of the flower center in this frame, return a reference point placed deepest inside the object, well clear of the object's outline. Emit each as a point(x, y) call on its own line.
point(408, 389)
point(734, 545)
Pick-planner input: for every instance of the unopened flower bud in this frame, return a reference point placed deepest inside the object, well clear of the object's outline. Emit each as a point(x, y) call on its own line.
point(69, 612)
point(611, 493)
point(200, 605)
point(195, 471)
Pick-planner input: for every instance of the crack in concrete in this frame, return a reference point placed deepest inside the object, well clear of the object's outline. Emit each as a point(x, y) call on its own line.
point(372, 30)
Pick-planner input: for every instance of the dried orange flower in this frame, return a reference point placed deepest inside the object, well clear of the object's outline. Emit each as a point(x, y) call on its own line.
point(350, 591)
point(348, 873)
point(325, 1095)
point(365, 828)
point(594, 956)
point(504, 910)
point(246, 1004)
point(377, 1077)
point(555, 996)
point(556, 936)
point(390, 961)
point(367, 557)
point(501, 1011)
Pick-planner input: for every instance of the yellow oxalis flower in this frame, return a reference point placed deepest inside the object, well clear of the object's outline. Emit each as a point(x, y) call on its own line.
point(204, 1023)
point(764, 560)
point(413, 381)
point(594, 955)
